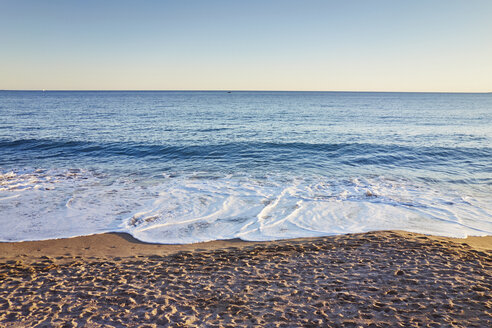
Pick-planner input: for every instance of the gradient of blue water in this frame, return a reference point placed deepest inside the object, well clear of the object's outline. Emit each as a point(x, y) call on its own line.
point(431, 138)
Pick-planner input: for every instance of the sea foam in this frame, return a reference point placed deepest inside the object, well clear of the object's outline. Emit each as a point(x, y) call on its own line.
point(43, 204)
point(191, 210)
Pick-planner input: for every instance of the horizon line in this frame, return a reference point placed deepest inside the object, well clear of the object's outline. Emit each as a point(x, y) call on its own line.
point(231, 90)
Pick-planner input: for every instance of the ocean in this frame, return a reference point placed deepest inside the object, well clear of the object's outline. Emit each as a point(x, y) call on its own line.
point(192, 166)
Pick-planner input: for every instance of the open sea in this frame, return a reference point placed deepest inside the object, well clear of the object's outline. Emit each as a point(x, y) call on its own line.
point(185, 167)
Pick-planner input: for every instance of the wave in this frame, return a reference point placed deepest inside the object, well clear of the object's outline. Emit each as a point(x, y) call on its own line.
point(353, 154)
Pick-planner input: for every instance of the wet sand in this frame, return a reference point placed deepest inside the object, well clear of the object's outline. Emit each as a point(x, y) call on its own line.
point(377, 279)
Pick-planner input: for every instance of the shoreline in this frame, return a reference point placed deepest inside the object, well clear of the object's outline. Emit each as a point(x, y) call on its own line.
point(122, 244)
point(374, 279)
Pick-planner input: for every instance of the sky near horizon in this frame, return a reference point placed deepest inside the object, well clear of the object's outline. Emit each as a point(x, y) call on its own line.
point(393, 45)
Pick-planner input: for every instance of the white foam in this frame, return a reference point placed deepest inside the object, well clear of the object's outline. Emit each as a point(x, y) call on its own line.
point(44, 204)
point(194, 210)
point(48, 204)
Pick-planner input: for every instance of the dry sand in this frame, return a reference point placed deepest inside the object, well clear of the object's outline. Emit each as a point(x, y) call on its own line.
point(377, 279)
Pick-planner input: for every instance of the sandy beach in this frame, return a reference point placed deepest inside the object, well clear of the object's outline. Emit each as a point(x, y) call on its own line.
point(377, 279)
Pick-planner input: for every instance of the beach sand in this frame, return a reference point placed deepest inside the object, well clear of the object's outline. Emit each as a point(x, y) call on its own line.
point(376, 279)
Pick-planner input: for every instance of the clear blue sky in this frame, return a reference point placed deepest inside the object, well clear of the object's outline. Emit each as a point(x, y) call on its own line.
point(432, 45)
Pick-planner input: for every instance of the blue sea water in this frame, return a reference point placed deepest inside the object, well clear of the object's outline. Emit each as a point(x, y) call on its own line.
point(183, 167)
